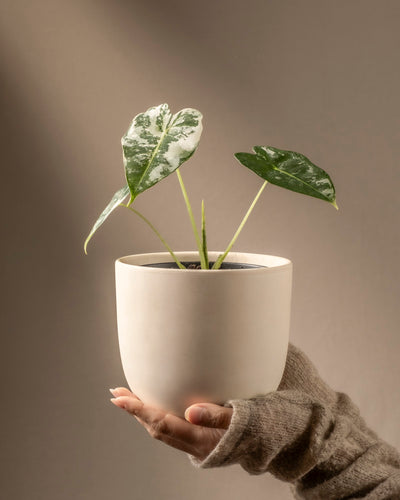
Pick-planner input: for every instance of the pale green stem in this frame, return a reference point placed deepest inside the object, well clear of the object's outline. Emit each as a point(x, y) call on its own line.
point(204, 234)
point(222, 257)
point(191, 217)
point(179, 264)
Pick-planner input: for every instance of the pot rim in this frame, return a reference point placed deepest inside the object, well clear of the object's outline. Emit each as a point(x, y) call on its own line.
point(268, 262)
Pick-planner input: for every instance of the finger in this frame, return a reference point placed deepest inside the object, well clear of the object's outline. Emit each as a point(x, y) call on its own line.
point(127, 402)
point(158, 422)
point(165, 427)
point(168, 438)
point(179, 445)
point(122, 391)
point(200, 443)
point(170, 429)
point(209, 415)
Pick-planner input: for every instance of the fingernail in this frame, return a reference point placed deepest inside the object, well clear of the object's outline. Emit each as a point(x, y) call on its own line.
point(113, 391)
point(195, 414)
point(116, 403)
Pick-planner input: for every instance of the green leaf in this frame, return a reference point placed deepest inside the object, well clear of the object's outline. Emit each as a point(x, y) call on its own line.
point(157, 143)
point(290, 170)
point(118, 198)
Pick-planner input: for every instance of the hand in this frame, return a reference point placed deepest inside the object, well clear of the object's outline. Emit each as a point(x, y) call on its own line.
point(198, 435)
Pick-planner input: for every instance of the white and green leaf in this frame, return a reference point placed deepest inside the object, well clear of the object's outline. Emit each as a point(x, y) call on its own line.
point(289, 170)
point(157, 143)
point(116, 200)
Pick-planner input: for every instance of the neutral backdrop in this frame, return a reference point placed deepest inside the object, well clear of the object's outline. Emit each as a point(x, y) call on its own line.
point(319, 77)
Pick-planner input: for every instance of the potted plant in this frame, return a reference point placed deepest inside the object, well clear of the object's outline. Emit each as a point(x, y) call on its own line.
point(202, 326)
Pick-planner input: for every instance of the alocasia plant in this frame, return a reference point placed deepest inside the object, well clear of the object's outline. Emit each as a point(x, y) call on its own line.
point(157, 143)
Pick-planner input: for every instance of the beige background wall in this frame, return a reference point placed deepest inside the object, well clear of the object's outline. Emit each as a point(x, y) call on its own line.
point(320, 77)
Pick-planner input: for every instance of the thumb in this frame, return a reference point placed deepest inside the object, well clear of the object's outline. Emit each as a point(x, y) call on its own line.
point(209, 415)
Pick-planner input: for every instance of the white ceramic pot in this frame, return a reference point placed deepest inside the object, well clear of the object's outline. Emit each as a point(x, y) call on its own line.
point(190, 336)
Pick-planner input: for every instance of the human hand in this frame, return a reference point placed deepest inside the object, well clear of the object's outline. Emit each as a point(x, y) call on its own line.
point(197, 434)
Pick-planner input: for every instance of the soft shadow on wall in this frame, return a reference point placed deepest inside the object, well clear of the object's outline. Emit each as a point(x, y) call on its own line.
point(70, 72)
point(56, 315)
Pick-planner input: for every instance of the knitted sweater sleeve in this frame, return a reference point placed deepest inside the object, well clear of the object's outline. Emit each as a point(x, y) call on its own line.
point(310, 436)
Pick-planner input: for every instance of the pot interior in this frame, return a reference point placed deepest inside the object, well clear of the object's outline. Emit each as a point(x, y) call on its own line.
point(196, 265)
point(237, 260)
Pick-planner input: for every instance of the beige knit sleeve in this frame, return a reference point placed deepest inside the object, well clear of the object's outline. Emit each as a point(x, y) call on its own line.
point(310, 436)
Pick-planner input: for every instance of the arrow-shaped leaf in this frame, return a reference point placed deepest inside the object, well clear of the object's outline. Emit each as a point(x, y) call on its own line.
point(157, 143)
point(290, 170)
point(118, 198)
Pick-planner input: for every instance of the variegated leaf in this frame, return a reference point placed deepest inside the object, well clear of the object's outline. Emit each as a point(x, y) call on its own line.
point(290, 170)
point(157, 143)
point(118, 198)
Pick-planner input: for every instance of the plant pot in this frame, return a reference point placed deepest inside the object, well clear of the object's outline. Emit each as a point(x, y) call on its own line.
point(190, 336)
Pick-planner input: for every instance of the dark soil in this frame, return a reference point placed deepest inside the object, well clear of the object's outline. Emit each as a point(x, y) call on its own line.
point(196, 265)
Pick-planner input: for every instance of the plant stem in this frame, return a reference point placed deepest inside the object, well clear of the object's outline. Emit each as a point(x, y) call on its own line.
point(179, 264)
point(222, 257)
point(190, 212)
point(204, 234)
